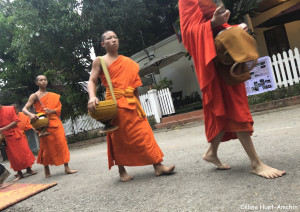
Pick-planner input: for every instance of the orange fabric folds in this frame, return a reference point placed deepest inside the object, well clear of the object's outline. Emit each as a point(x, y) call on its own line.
point(53, 148)
point(133, 144)
point(17, 149)
point(24, 123)
point(222, 104)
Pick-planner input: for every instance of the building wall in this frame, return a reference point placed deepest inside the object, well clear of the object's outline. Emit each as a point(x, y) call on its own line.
point(293, 33)
point(292, 29)
point(181, 72)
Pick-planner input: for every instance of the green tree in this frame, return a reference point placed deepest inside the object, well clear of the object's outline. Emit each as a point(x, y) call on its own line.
point(239, 8)
point(55, 37)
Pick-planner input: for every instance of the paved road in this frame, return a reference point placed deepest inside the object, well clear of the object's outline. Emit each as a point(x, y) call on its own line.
point(196, 185)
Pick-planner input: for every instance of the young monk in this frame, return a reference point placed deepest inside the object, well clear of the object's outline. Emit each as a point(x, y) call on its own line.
point(133, 144)
point(17, 149)
point(53, 148)
point(226, 110)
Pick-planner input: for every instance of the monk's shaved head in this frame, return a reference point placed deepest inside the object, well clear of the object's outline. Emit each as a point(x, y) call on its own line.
point(37, 78)
point(103, 35)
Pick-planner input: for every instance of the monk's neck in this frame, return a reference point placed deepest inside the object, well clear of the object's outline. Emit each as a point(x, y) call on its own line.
point(42, 90)
point(113, 54)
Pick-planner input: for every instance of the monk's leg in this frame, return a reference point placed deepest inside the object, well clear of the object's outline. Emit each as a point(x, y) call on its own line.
point(19, 176)
point(163, 170)
point(30, 171)
point(211, 154)
point(68, 170)
point(47, 171)
point(257, 166)
point(124, 176)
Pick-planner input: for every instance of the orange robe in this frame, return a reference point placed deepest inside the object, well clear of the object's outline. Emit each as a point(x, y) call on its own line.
point(17, 149)
point(24, 123)
point(53, 148)
point(133, 144)
point(225, 107)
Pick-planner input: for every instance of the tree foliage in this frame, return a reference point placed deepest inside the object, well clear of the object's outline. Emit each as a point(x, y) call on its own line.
point(55, 37)
point(239, 8)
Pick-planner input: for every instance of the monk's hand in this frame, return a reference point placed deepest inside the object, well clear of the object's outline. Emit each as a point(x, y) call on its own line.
point(33, 117)
point(243, 26)
point(49, 111)
point(220, 17)
point(92, 104)
point(1, 130)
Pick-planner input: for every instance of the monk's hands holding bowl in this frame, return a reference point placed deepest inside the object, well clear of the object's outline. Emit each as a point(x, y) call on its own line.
point(33, 117)
point(92, 104)
point(243, 26)
point(220, 17)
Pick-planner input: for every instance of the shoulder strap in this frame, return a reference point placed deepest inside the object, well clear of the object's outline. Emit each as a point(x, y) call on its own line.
point(40, 101)
point(106, 74)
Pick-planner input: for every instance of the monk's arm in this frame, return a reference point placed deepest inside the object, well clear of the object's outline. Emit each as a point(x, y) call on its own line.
point(29, 105)
point(92, 84)
point(7, 127)
point(56, 110)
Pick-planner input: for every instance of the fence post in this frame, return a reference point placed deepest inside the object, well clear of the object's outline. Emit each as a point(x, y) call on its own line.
point(288, 70)
point(297, 60)
point(282, 71)
point(275, 64)
point(294, 70)
point(153, 98)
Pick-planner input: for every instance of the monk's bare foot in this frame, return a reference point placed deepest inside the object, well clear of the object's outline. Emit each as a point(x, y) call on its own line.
point(216, 161)
point(19, 176)
point(124, 176)
point(30, 171)
point(266, 171)
point(70, 171)
point(163, 170)
point(47, 172)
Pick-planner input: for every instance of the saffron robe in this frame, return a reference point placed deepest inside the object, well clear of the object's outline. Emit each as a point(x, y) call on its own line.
point(133, 144)
point(225, 107)
point(53, 148)
point(24, 123)
point(17, 149)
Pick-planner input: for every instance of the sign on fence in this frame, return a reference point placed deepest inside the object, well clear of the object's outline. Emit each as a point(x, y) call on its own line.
point(262, 79)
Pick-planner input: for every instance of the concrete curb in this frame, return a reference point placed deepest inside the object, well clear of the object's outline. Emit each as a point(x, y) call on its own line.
point(275, 104)
point(193, 116)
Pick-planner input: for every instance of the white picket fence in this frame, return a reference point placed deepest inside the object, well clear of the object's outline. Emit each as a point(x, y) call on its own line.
point(81, 124)
point(286, 68)
point(165, 102)
point(146, 105)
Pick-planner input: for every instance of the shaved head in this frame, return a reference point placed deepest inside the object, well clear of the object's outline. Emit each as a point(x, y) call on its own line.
point(37, 78)
point(103, 35)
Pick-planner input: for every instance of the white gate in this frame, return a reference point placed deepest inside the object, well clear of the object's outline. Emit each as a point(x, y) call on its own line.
point(165, 103)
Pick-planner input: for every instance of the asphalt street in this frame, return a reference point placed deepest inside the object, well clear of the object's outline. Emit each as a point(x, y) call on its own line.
point(195, 186)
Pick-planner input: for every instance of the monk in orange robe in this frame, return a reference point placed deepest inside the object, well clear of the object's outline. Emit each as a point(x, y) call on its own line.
point(226, 110)
point(53, 148)
point(133, 143)
point(17, 149)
